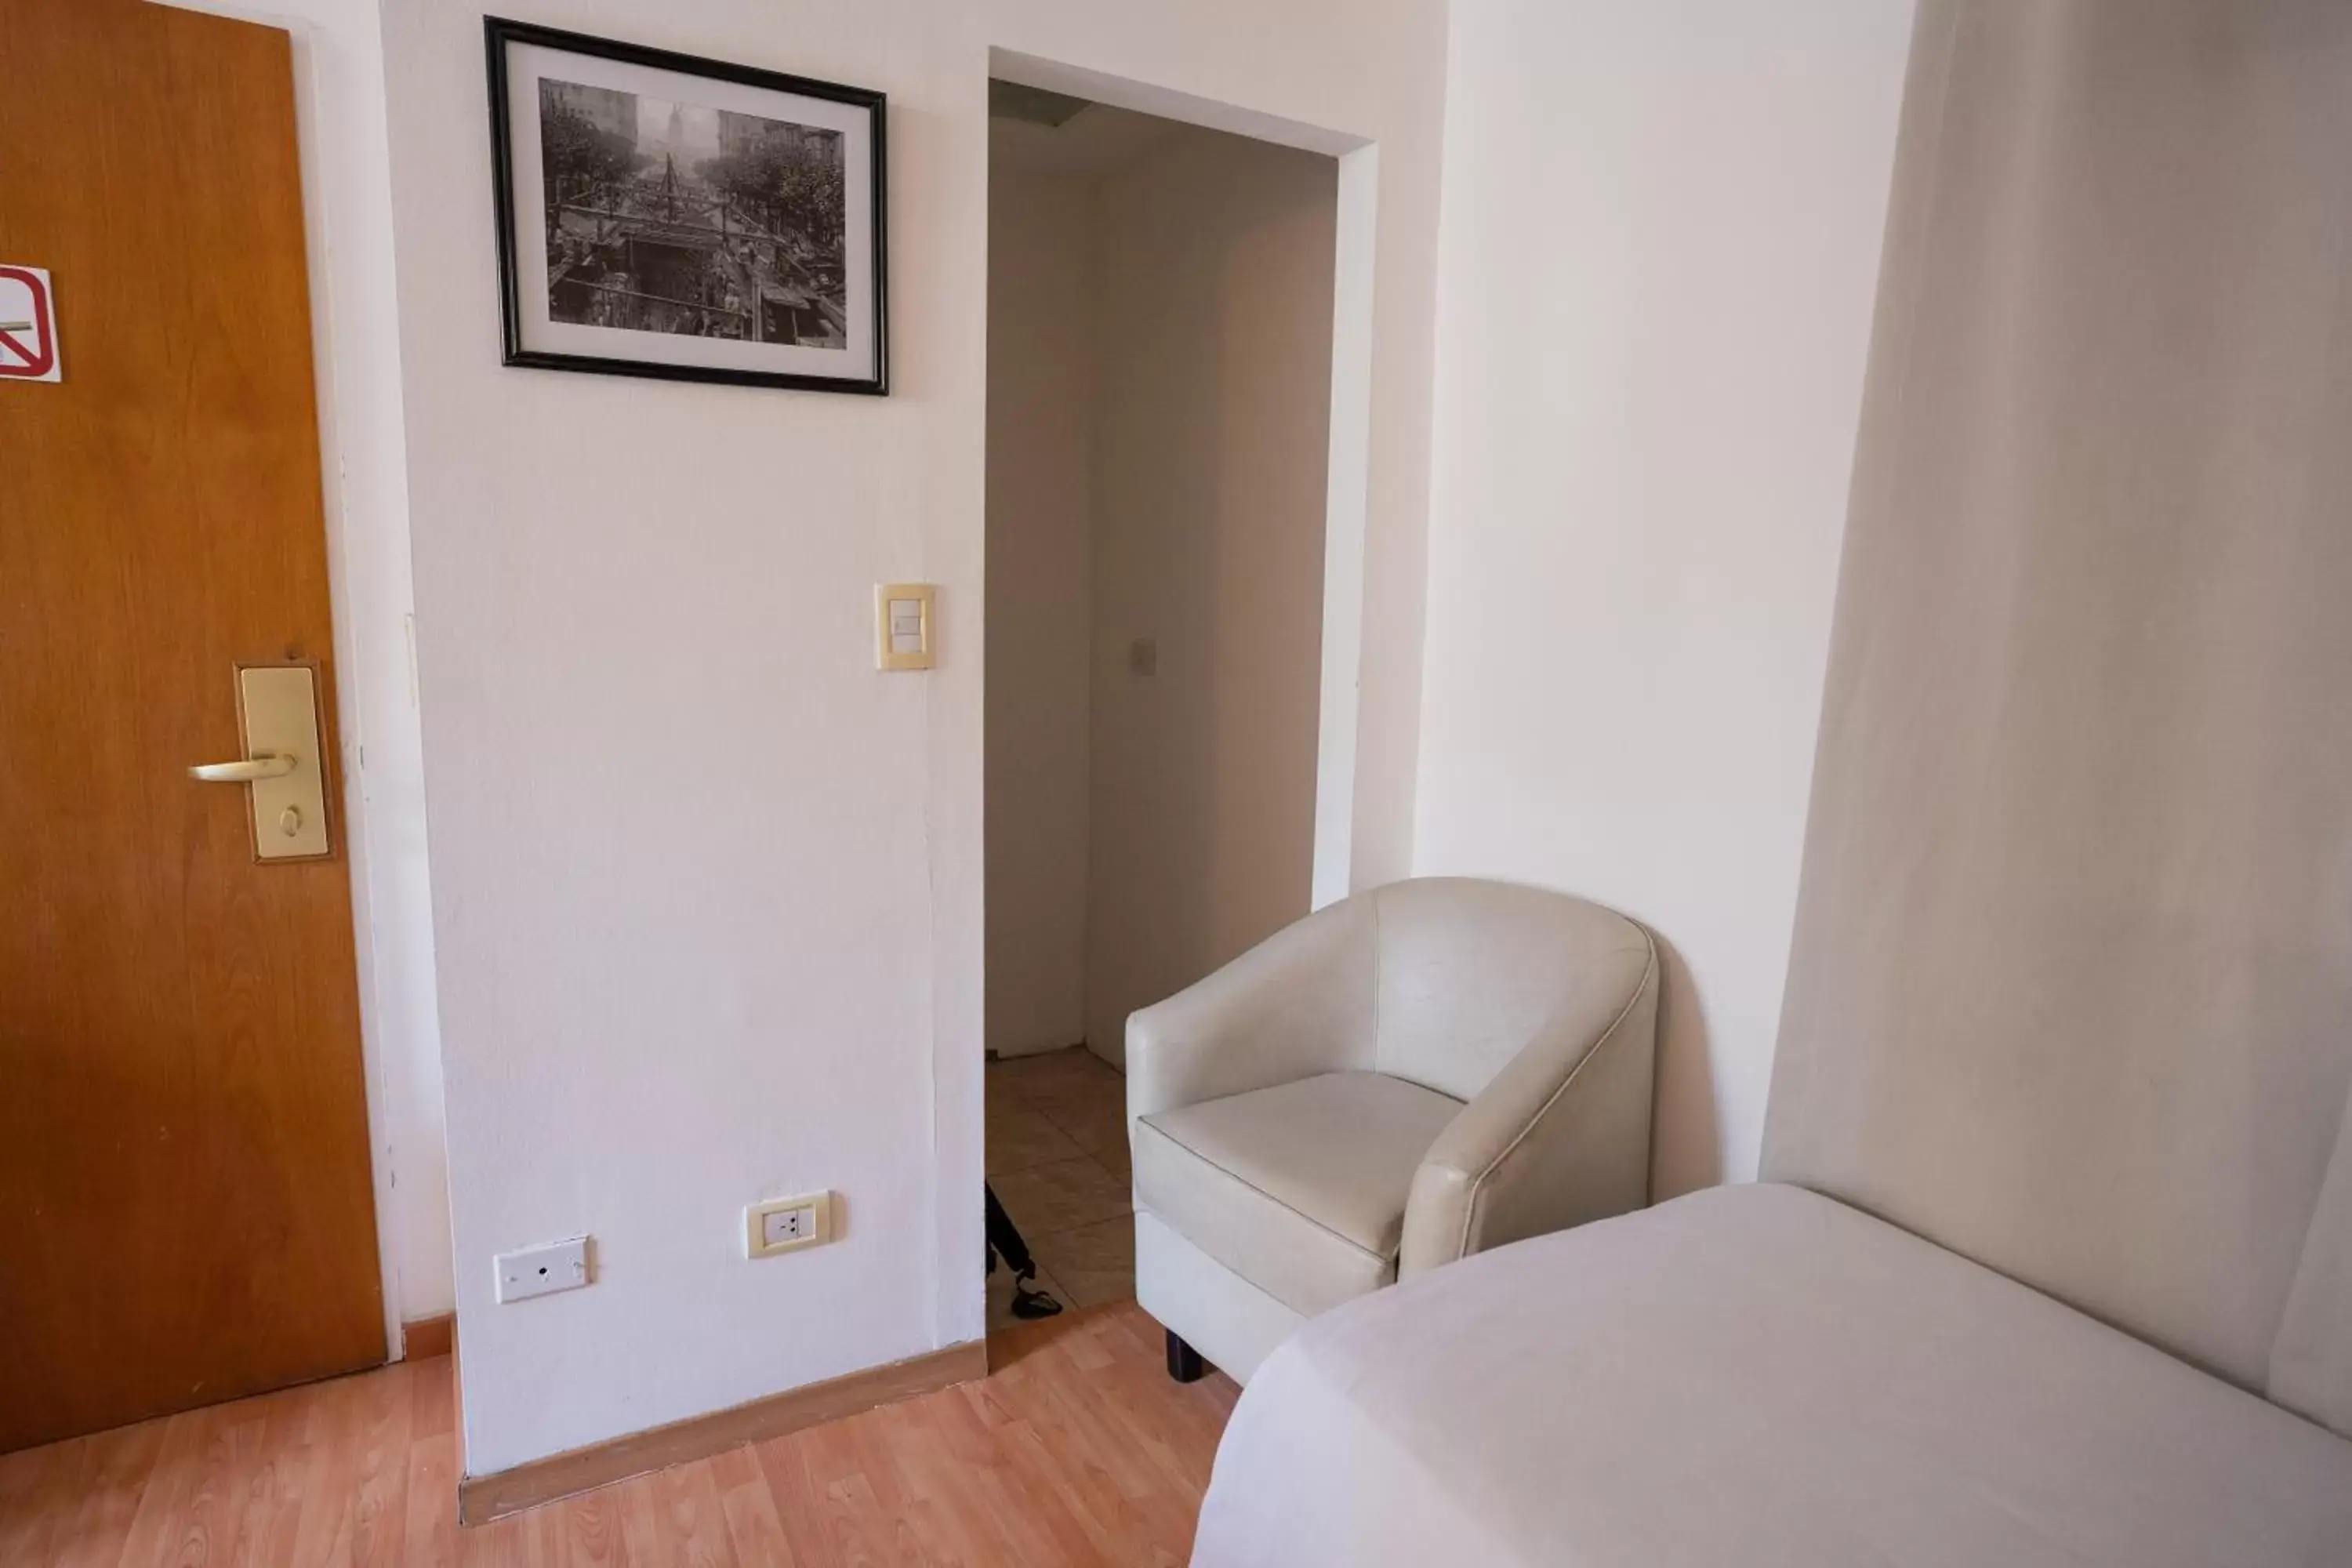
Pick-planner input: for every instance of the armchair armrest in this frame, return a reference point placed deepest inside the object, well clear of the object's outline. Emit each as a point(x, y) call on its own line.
point(1560, 1136)
point(1297, 1004)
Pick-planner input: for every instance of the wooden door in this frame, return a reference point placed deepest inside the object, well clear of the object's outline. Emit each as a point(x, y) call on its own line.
point(186, 1214)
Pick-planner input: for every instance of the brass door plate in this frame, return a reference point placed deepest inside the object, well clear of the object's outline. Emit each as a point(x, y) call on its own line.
point(277, 705)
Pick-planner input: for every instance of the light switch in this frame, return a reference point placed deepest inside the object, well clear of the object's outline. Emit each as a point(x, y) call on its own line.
point(903, 625)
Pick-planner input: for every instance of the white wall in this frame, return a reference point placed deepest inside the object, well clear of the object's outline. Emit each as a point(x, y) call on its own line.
point(1213, 409)
point(1160, 386)
point(707, 888)
point(1661, 240)
point(347, 198)
point(1041, 416)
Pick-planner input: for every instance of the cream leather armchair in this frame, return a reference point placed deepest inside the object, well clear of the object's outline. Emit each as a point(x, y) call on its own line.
point(1405, 1077)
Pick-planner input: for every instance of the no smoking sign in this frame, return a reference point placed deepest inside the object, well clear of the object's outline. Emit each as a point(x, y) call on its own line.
point(28, 326)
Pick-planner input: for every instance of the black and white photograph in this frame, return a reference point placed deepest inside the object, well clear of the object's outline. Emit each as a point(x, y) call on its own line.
point(672, 217)
point(667, 216)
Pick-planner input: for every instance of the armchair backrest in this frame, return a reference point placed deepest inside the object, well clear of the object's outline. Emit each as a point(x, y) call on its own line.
point(1468, 972)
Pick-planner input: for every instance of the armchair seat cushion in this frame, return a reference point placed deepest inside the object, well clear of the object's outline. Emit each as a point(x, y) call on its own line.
point(1299, 1188)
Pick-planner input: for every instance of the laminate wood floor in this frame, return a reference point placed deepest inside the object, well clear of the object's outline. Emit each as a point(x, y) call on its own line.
point(1077, 1450)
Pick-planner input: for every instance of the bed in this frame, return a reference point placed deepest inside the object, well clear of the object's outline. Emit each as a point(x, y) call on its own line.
point(1753, 1375)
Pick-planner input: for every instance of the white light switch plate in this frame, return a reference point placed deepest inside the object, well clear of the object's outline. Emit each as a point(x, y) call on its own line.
point(543, 1270)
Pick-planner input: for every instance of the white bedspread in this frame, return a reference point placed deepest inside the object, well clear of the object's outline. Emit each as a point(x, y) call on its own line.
point(1755, 1376)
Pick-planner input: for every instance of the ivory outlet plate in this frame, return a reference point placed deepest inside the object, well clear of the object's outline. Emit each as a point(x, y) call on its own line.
point(787, 1225)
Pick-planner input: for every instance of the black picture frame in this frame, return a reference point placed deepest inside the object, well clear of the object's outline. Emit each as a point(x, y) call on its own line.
point(499, 35)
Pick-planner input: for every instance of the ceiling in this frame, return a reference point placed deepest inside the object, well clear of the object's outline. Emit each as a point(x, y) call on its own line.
point(1094, 142)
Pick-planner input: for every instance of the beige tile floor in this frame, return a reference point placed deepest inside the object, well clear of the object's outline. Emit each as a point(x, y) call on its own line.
point(1057, 1159)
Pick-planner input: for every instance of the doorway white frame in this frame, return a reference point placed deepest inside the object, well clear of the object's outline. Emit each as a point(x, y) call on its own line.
point(1347, 482)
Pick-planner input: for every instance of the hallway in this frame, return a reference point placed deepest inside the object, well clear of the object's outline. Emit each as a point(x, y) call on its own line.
point(1057, 1159)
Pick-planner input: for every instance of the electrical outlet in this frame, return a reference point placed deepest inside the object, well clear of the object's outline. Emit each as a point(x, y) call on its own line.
point(786, 1225)
point(542, 1270)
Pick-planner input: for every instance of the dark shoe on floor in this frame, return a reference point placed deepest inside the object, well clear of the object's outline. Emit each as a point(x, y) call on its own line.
point(1030, 1304)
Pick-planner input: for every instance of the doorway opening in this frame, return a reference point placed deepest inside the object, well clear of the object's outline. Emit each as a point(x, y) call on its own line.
point(1162, 300)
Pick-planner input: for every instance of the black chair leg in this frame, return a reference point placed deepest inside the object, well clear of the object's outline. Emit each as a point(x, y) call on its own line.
point(1184, 1361)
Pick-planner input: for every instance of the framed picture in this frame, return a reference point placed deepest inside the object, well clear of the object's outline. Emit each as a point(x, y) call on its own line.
point(664, 215)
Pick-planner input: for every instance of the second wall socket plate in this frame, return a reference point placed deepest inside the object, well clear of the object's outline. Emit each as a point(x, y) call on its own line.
point(787, 1225)
point(542, 1270)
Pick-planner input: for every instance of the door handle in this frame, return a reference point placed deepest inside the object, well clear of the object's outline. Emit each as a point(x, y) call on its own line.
point(266, 766)
point(283, 768)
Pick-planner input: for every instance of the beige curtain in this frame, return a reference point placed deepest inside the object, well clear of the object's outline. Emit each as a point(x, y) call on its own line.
point(2071, 986)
